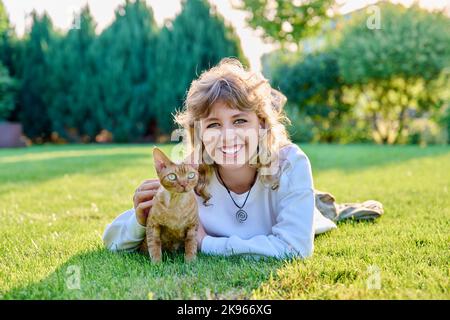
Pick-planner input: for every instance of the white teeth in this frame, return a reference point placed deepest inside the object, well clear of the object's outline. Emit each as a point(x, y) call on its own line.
point(231, 150)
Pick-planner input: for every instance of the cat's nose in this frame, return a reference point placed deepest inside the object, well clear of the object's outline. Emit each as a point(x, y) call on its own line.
point(183, 184)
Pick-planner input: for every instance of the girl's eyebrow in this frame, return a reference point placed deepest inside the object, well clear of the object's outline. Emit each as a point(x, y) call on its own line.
point(240, 114)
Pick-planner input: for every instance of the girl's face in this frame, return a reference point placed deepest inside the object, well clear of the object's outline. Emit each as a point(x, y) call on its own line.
point(230, 136)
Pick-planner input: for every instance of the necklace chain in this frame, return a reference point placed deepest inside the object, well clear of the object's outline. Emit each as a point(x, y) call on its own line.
point(248, 193)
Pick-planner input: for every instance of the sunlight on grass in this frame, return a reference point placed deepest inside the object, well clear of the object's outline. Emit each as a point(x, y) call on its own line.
point(55, 202)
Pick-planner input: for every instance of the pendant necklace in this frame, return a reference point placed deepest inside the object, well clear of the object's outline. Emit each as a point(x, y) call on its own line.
point(241, 214)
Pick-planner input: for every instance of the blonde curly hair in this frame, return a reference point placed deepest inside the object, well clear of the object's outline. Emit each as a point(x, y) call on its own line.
point(245, 90)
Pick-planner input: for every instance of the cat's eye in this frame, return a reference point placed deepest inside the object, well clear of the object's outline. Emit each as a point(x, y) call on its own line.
point(191, 175)
point(172, 177)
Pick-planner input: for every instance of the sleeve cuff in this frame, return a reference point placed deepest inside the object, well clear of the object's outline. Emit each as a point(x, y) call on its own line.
point(134, 229)
point(214, 245)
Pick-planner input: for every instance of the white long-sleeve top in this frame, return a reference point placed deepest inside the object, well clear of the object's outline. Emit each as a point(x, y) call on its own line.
point(280, 223)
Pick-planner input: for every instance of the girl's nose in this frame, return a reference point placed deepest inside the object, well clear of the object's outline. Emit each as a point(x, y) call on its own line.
point(228, 135)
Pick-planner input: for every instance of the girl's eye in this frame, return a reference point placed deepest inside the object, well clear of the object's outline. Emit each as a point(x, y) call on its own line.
point(172, 177)
point(212, 125)
point(236, 122)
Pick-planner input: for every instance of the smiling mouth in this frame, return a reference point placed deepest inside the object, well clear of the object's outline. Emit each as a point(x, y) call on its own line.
point(231, 150)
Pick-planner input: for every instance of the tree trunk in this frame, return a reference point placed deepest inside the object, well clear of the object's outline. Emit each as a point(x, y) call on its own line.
point(384, 137)
point(401, 124)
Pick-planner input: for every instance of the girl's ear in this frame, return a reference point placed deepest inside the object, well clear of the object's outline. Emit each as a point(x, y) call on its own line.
point(160, 159)
point(261, 124)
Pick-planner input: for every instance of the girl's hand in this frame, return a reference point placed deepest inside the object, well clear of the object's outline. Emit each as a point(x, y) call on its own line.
point(143, 199)
point(201, 233)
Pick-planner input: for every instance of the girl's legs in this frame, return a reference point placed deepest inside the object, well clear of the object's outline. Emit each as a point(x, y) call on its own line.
point(367, 210)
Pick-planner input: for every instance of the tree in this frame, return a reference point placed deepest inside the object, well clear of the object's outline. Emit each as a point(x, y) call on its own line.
point(34, 81)
point(393, 69)
point(8, 57)
point(196, 40)
point(71, 60)
point(7, 93)
point(129, 80)
point(285, 22)
point(124, 68)
point(313, 86)
point(5, 31)
point(10, 45)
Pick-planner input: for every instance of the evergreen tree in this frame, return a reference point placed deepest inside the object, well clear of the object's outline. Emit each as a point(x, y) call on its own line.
point(124, 72)
point(71, 62)
point(8, 43)
point(7, 93)
point(4, 34)
point(129, 80)
point(196, 40)
point(8, 85)
point(34, 76)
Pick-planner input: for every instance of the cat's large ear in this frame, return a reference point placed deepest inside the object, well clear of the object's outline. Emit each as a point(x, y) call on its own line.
point(160, 159)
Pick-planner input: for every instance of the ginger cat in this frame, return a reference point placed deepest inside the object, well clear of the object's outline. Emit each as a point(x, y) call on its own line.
point(173, 219)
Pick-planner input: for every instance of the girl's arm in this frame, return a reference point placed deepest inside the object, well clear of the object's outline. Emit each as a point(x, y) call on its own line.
point(293, 232)
point(124, 233)
point(127, 231)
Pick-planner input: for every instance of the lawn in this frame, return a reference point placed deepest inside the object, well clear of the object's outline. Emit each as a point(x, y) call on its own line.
point(55, 202)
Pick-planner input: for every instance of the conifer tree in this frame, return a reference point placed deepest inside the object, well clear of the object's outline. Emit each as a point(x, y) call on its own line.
point(197, 39)
point(124, 72)
point(34, 78)
point(71, 62)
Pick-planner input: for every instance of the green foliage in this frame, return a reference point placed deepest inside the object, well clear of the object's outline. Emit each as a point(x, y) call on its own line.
point(34, 78)
point(443, 119)
point(128, 80)
point(275, 59)
point(446, 122)
point(71, 64)
point(314, 85)
point(301, 128)
point(197, 39)
point(125, 75)
point(7, 93)
point(393, 68)
point(286, 21)
point(4, 33)
point(4, 21)
point(8, 55)
point(412, 43)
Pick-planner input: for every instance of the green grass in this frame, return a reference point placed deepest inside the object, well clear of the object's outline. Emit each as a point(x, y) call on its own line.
point(55, 202)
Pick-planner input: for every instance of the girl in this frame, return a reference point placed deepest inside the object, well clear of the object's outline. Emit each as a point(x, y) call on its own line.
point(256, 194)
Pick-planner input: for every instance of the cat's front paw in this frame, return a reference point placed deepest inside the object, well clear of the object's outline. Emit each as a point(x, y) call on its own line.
point(156, 259)
point(156, 256)
point(190, 257)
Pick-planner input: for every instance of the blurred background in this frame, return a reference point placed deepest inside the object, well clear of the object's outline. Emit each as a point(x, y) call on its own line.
point(100, 72)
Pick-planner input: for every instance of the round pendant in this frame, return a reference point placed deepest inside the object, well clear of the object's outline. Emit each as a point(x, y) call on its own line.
point(241, 216)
